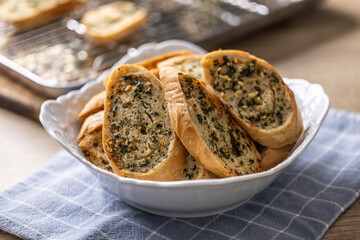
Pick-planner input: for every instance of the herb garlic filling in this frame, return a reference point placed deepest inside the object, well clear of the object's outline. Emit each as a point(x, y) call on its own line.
point(140, 131)
point(222, 134)
point(252, 91)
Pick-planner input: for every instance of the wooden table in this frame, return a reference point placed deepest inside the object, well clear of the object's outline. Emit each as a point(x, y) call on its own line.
point(322, 46)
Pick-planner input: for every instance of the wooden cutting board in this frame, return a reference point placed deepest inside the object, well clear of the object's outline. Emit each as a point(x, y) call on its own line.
point(19, 98)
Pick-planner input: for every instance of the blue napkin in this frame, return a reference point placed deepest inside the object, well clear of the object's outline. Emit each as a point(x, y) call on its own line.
point(64, 201)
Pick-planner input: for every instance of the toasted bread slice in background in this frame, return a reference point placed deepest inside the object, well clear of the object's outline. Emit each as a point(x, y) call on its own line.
point(24, 14)
point(113, 21)
point(205, 128)
point(255, 94)
point(138, 136)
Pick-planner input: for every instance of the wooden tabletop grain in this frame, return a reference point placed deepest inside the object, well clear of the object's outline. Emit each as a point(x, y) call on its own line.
point(321, 45)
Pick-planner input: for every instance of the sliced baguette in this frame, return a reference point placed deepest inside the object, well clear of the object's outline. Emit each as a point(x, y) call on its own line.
point(190, 64)
point(24, 14)
point(113, 21)
point(138, 136)
point(195, 171)
point(205, 128)
point(90, 141)
point(255, 95)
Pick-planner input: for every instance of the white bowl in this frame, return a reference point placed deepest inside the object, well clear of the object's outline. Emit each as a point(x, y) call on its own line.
point(194, 198)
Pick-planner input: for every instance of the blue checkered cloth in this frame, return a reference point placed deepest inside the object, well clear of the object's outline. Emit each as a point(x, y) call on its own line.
point(63, 201)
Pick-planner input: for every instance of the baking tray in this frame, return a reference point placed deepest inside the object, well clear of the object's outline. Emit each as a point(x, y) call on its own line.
point(56, 58)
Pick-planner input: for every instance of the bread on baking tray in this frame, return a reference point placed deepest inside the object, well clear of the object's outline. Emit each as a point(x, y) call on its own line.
point(138, 136)
point(205, 128)
point(90, 141)
point(113, 21)
point(256, 96)
point(25, 14)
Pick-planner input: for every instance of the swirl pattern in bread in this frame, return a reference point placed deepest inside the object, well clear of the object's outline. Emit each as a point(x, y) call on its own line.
point(255, 94)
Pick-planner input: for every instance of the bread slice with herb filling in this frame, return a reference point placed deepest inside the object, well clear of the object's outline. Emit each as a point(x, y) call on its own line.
point(190, 64)
point(255, 95)
point(195, 171)
point(90, 141)
point(205, 128)
point(138, 136)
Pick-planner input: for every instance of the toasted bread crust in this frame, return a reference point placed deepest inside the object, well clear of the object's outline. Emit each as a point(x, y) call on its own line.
point(288, 132)
point(129, 23)
point(172, 165)
point(95, 104)
point(185, 127)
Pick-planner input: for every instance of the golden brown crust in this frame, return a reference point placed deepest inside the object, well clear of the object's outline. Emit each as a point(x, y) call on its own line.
point(185, 127)
point(123, 27)
point(288, 132)
point(171, 167)
point(95, 104)
point(29, 17)
point(91, 123)
point(272, 157)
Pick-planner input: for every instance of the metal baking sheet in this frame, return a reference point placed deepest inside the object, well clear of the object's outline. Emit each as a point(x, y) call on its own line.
point(56, 58)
